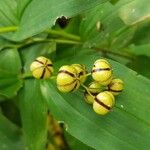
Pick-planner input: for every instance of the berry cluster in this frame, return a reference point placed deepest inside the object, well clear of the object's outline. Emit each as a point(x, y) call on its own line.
point(100, 92)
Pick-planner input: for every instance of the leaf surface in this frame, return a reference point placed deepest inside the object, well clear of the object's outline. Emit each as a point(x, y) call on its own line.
point(128, 121)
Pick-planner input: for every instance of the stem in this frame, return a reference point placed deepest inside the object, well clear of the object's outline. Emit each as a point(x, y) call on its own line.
point(8, 29)
point(60, 41)
point(88, 74)
point(53, 77)
point(27, 75)
point(86, 88)
point(40, 40)
point(63, 34)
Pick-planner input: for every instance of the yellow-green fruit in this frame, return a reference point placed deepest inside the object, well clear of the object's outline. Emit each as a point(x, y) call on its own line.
point(67, 79)
point(41, 68)
point(102, 71)
point(103, 103)
point(94, 88)
point(106, 82)
point(81, 71)
point(115, 86)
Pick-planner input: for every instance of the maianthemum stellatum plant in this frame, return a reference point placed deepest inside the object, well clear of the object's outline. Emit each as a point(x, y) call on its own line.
point(74, 74)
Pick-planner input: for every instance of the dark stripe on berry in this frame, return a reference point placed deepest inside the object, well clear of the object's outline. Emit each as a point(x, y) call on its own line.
point(43, 73)
point(102, 104)
point(115, 90)
point(39, 62)
point(101, 69)
point(48, 69)
point(67, 72)
point(81, 73)
point(68, 83)
point(50, 65)
point(74, 87)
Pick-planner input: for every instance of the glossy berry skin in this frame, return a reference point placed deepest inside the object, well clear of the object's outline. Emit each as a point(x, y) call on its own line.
point(81, 71)
point(94, 89)
point(67, 79)
point(102, 72)
point(41, 68)
point(103, 103)
point(116, 86)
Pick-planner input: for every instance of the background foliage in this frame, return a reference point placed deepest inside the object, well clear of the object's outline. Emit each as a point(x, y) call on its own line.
point(118, 30)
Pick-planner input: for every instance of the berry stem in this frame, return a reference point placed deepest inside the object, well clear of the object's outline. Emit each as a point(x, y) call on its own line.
point(88, 74)
point(60, 41)
point(27, 75)
point(63, 34)
point(53, 77)
point(86, 88)
point(8, 29)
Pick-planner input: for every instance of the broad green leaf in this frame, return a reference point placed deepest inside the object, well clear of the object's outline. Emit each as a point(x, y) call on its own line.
point(21, 6)
point(8, 15)
point(34, 114)
point(135, 12)
point(3, 43)
point(121, 40)
point(142, 35)
point(140, 64)
point(102, 25)
point(128, 121)
point(75, 144)
point(8, 12)
point(10, 72)
point(49, 11)
point(10, 135)
point(140, 49)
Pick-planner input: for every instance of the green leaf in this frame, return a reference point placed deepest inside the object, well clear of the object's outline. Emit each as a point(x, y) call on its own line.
point(75, 144)
point(142, 35)
point(10, 135)
point(21, 6)
point(135, 12)
point(8, 12)
point(140, 64)
point(34, 115)
point(8, 15)
point(111, 26)
point(128, 121)
point(49, 12)
point(140, 49)
point(10, 71)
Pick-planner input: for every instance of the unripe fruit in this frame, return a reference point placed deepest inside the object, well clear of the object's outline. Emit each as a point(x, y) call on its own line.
point(67, 79)
point(115, 86)
point(41, 68)
point(102, 72)
point(103, 103)
point(81, 71)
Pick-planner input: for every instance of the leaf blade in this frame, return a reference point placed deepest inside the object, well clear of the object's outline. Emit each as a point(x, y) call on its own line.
point(118, 129)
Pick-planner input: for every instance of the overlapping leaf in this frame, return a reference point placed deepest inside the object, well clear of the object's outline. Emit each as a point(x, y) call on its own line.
point(10, 135)
point(10, 72)
point(34, 114)
point(128, 121)
point(135, 12)
point(103, 27)
point(37, 15)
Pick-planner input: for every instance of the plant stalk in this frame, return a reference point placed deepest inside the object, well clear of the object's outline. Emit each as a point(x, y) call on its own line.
point(63, 34)
point(8, 29)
